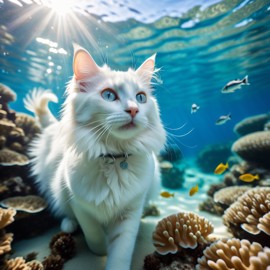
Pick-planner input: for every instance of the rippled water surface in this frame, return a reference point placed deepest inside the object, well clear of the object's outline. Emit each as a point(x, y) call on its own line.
point(200, 46)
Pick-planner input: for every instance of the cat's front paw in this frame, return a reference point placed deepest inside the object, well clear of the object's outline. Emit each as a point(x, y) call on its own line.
point(69, 225)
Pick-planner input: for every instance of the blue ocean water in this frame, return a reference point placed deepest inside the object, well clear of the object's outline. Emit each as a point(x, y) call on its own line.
point(200, 46)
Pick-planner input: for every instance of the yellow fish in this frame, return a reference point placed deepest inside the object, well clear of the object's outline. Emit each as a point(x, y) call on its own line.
point(248, 177)
point(193, 190)
point(221, 168)
point(166, 194)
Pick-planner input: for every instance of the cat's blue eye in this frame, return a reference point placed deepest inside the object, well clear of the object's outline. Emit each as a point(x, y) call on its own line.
point(141, 97)
point(109, 95)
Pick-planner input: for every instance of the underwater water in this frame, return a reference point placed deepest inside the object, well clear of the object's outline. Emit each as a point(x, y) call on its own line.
point(201, 46)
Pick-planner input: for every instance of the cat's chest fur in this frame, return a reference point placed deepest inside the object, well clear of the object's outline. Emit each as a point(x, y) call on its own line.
point(107, 190)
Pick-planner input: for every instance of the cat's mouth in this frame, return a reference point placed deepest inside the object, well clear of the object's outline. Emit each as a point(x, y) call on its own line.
point(129, 125)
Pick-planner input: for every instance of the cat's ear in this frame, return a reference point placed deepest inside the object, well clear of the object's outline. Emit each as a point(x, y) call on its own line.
point(84, 65)
point(147, 69)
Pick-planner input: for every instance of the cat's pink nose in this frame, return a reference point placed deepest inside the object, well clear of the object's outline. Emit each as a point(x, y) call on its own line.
point(132, 111)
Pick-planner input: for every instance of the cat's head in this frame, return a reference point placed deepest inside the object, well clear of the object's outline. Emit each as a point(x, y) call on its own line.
point(114, 109)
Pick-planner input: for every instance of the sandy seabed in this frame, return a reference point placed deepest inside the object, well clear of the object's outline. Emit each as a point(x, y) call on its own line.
point(181, 202)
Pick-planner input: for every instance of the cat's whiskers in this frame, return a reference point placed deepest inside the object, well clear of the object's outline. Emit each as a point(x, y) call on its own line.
point(174, 129)
point(105, 129)
point(172, 137)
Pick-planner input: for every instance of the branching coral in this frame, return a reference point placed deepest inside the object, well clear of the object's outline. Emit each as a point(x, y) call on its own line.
point(228, 254)
point(35, 265)
point(182, 230)
point(250, 213)
point(5, 243)
point(16, 264)
point(6, 217)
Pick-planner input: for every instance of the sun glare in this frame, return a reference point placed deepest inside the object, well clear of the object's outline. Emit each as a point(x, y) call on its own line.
point(61, 7)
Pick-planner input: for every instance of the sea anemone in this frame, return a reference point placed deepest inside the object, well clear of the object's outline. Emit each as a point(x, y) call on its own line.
point(233, 253)
point(182, 230)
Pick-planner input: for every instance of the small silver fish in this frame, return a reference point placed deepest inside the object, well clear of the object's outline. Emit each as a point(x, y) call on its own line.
point(194, 108)
point(223, 119)
point(233, 85)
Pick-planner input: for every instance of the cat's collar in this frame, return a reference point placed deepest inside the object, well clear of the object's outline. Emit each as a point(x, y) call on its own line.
point(111, 158)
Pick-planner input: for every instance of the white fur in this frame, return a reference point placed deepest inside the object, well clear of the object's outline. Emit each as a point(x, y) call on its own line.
point(106, 200)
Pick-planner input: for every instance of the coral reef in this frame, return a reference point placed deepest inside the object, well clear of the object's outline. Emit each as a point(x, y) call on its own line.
point(29, 204)
point(53, 262)
point(63, 244)
point(172, 172)
point(254, 147)
point(248, 217)
point(172, 176)
point(19, 263)
point(267, 126)
point(234, 254)
point(35, 265)
point(210, 206)
point(222, 199)
point(16, 264)
point(16, 132)
point(227, 196)
point(182, 230)
point(6, 218)
point(179, 240)
point(212, 154)
point(251, 124)
point(7, 95)
point(12, 158)
point(29, 126)
point(171, 153)
point(150, 210)
point(5, 243)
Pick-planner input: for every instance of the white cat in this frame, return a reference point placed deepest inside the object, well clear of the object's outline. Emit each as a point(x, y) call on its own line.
point(96, 165)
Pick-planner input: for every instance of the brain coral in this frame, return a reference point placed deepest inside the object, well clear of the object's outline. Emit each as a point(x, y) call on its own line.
point(229, 195)
point(254, 147)
point(251, 124)
point(182, 230)
point(250, 213)
point(231, 254)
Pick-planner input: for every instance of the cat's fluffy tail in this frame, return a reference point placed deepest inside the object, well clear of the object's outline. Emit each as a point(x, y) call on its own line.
point(37, 102)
